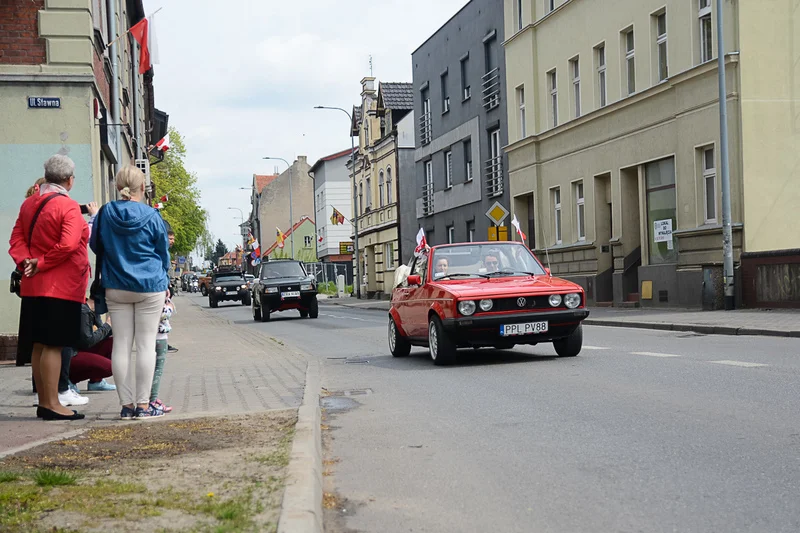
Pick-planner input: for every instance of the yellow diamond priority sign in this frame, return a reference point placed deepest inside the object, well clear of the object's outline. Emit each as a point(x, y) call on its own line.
point(497, 213)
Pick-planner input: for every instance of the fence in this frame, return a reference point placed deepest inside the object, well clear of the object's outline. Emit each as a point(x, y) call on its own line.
point(330, 272)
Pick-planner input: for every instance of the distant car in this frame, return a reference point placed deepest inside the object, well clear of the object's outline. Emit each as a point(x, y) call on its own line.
point(484, 295)
point(284, 285)
point(227, 286)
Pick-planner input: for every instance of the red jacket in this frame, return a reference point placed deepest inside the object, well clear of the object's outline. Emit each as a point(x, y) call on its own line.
point(60, 240)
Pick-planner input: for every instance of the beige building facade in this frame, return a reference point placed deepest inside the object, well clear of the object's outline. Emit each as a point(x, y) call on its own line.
point(614, 161)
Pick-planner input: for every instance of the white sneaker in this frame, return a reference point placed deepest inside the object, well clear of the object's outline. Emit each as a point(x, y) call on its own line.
point(70, 397)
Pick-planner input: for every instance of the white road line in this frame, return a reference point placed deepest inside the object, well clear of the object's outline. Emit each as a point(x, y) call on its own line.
point(654, 354)
point(594, 348)
point(738, 363)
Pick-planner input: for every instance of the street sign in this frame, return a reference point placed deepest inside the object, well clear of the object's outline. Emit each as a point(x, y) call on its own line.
point(44, 102)
point(498, 233)
point(181, 260)
point(346, 248)
point(497, 213)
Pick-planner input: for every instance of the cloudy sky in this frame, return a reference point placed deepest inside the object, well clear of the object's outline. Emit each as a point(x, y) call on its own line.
point(239, 79)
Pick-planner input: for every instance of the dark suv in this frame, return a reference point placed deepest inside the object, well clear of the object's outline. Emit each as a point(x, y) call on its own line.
point(228, 286)
point(284, 285)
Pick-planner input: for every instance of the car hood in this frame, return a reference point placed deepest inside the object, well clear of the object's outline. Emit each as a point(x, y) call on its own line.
point(237, 283)
point(284, 281)
point(506, 286)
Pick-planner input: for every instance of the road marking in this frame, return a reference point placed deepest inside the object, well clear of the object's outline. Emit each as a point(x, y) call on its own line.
point(738, 363)
point(594, 348)
point(654, 354)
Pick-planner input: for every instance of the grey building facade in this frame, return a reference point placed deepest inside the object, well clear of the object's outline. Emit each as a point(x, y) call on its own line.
point(460, 102)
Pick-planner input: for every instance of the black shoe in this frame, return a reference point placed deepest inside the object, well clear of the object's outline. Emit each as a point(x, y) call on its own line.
point(47, 414)
point(171, 349)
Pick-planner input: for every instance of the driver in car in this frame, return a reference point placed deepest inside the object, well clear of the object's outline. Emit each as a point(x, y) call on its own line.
point(440, 268)
point(491, 263)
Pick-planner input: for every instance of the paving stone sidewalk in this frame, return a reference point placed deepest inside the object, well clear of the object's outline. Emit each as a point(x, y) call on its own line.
point(220, 368)
point(781, 323)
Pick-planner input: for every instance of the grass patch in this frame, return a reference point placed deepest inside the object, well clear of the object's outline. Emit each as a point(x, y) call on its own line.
point(7, 477)
point(54, 478)
point(20, 505)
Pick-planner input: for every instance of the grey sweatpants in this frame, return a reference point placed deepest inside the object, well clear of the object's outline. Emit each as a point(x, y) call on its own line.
point(134, 317)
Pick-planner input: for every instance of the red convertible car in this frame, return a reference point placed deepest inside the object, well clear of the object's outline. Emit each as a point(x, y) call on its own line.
point(484, 295)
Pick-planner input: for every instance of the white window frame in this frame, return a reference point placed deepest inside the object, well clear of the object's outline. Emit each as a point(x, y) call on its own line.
point(575, 70)
point(706, 41)
point(549, 6)
point(368, 180)
point(451, 234)
point(709, 174)
point(388, 185)
point(381, 196)
point(307, 241)
point(662, 48)
point(552, 83)
point(558, 221)
point(580, 209)
point(388, 256)
point(602, 78)
point(468, 162)
point(521, 102)
point(630, 59)
point(448, 169)
point(444, 78)
point(471, 234)
point(466, 90)
point(519, 14)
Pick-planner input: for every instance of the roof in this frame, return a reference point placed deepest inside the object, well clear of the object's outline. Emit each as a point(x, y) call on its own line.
point(397, 96)
point(331, 157)
point(262, 181)
point(294, 228)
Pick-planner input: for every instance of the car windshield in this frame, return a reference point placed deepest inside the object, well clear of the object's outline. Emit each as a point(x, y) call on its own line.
point(484, 260)
point(273, 270)
point(229, 277)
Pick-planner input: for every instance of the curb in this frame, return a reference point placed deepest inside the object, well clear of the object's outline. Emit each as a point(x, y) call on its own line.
point(697, 328)
point(301, 511)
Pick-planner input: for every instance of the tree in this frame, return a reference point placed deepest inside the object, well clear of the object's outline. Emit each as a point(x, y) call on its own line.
point(182, 210)
point(219, 250)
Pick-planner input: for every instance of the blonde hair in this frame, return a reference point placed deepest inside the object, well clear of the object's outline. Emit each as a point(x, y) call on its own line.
point(130, 180)
point(32, 188)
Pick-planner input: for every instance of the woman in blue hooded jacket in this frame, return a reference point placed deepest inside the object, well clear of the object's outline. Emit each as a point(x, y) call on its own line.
point(135, 262)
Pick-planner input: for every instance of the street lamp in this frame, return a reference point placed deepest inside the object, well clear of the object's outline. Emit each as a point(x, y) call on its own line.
point(357, 281)
point(291, 212)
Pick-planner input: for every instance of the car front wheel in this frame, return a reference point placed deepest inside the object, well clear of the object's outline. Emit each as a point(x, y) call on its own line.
point(264, 311)
point(570, 346)
point(203, 291)
point(256, 311)
point(313, 309)
point(443, 350)
point(398, 345)
point(212, 302)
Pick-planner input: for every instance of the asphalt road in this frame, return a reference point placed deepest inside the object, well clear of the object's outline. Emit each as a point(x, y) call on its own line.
point(645, 431)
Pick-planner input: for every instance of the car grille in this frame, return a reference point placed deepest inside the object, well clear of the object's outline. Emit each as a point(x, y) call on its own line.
point(531, 302)
point(286, 288)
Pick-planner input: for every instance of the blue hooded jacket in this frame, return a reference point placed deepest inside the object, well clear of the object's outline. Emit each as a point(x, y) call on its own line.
point(136, 249)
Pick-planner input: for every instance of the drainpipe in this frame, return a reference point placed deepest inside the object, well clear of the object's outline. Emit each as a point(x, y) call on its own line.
point(115, 119)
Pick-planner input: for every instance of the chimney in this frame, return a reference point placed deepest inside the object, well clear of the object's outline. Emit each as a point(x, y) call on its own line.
point(303, 160)
point(368, 86)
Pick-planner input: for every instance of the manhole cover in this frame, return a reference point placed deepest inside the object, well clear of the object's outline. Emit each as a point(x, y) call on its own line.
point(338, 403)
point(351, 392)
point(357, 362)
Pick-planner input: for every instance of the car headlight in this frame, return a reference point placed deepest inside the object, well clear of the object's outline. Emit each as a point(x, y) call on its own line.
point(306, 287)
point(466, 308)
point(486, 305)
point(572, 300)
point(272, 290)
point(555, 300)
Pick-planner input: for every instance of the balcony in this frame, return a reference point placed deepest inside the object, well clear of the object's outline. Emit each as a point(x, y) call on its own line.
point(491, 89)
point(427, 199)
point(377, 217)
point(494, 176)
point(425, 128)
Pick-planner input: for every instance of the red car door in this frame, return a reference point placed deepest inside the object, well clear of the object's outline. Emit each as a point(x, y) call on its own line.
point(419, 301)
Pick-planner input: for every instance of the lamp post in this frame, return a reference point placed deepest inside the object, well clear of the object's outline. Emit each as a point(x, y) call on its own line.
point(241, 226)
point(357, 280)
point(291, 212)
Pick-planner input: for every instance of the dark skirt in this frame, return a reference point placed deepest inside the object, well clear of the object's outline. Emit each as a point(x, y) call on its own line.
point(50, 321)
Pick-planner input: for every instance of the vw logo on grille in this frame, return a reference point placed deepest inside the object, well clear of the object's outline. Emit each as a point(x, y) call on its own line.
point(521, 302)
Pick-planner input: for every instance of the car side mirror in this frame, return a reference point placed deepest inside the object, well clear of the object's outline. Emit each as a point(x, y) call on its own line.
point(548, 271)
point(414, 280)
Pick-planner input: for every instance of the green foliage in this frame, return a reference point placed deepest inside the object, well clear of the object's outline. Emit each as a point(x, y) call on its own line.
point(328, 288)
point(53, 478)
point(182, 211)
point(219, 250)
point(7, 477)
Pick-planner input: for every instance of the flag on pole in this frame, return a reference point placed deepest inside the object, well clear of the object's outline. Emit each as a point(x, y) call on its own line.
point(337, 218)
point(163, 144)
point(515, 223)
point(280, 237)
point(145, 34)
point(422, 244)
point(320, 239)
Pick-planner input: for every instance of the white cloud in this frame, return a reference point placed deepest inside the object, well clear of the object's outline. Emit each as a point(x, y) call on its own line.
point(240, 79)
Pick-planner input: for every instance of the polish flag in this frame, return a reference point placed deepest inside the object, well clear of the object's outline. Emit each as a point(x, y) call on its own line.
point(515, 223)
point(145, 34)
point(422, 244)
point(163, 144)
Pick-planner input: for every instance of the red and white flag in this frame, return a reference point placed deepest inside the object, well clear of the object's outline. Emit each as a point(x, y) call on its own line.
point(422, 244)
point(163, 144)
point(515, 223)
point(145, 34)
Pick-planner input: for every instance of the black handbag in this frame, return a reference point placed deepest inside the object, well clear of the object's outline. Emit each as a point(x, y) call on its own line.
point(16, 275)
point(97, 292)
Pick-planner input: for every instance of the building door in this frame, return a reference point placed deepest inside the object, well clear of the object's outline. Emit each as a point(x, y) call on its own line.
point(628, 256)
point(605, 262)
point(531, 222)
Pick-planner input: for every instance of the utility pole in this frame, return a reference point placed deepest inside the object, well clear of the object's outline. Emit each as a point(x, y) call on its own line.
point(727, 230)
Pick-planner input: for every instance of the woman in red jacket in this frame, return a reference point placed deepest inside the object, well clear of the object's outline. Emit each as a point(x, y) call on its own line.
point(55, 267)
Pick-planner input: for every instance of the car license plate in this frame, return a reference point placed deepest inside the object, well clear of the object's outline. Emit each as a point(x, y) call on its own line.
point(290, 294)
point(527, 328)
point(232, 291)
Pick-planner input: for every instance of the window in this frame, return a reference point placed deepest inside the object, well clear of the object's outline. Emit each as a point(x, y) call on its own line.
point(491, 80)
point(388, 256)
point(553, 86)
point(531, 222)
point(100, 20)
point(466, 91)
point(580, 211)
point(307, 241)
point(661, 45)
point(630, 62)
point(448, 169)
point(451, 234)
point(445, 94)
point(471, 231)
point(706, 42)
point(389, 185)
point(661, 211)
point(521, 104)
point(427, 190)
point(549, 5)
point(710, 184)
point(494, 174)
point(369, 194)
point(425, 120)
point(468, 160)
point(361, 198)
point(519, 14)
point(601, 75)
point(575, 69)
point(380, 188)
point(557, 213)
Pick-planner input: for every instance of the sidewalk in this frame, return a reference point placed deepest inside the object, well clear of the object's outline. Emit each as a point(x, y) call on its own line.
point(773, 323)
point(220, 369)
